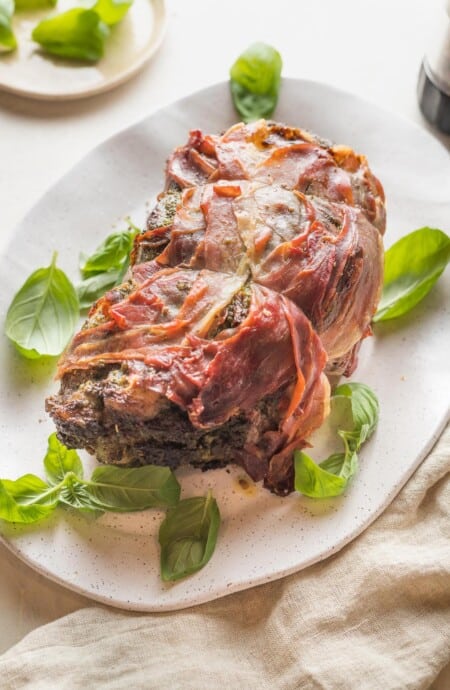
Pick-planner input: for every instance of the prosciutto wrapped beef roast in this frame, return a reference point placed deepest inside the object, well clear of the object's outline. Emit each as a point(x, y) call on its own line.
point(258, 275)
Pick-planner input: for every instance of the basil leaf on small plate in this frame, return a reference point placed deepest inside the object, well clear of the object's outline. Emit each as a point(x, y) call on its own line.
point(78, 33)
point(59, 460)
point(8, 41)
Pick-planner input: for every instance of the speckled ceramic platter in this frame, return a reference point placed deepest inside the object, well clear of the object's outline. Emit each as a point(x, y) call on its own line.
point(30, 72)
point(116, 559)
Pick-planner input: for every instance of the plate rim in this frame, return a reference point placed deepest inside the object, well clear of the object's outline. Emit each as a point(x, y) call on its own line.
point(261, 579)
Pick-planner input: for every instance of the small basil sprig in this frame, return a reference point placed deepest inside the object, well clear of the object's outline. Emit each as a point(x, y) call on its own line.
point(331, 477)
point(43, 313)
point(188, 537)
point(110, 488)
point(255, 81)
point(80, 33)
point(106, 267)
point(8, 40)
point(411, 267)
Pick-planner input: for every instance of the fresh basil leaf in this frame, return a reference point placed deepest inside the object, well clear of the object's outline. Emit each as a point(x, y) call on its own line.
point(59, 460)
point(34, 4)
point(356, 407)
point(8, 40)
point(123, 489)
point(74, 494)
point(77, 34)
point(109, 255)
point(43, 314)
point(411, 267)
point(255, 81)
point(16, 500)
point(112, 11)
point(188, 537)
point(30, 489)
point(90, 289)
point(315, 482)
point(365, 411)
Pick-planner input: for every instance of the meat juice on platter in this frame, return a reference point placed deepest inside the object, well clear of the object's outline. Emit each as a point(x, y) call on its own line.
point(255, 281)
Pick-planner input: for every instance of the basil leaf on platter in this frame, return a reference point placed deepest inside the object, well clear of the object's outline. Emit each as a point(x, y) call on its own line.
point(59, 460)
point(77, 33)
point(8, 41)
point(357, 406)
point(25, 500)
point(90, 289)
point(255, 81)
point(123, 489)
point(74, 494)
point(43, 313)
point(109, 255)
point(188, 537)
point(411, 268)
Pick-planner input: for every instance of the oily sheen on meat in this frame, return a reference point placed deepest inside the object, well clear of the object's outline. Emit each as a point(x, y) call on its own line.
point(257, 275)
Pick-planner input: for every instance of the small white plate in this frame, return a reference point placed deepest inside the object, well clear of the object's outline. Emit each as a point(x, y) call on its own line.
point(30, 72)
point(262, 537)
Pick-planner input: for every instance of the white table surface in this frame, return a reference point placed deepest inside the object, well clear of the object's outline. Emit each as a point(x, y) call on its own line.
point(372, 48)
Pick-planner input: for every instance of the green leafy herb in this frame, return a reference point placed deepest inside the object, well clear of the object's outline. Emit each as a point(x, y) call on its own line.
point(43, 314)
point(124, 489)
point(358, 404)
point(106, 267)
point(8, 41)
point(188, 537)
point(77, 33)
point(116, 489)
point(60, 460)
point(14, 511)
point(111, 254)
point(255, 81)
point(90, 289)
point(112, 11)
point(412, 266)
point(34, 4)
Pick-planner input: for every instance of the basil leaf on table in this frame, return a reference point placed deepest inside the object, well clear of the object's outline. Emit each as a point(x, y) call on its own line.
point(112, 11)
point(188, 537)
point(255, 81)
point(8, 40)
point(412, 266)
point(59, 460)
point(43, 313)
point(122, 489)
point(331, 476)
point(77, 33)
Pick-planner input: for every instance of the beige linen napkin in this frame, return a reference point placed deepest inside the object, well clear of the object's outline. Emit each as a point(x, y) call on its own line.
point(374, 616)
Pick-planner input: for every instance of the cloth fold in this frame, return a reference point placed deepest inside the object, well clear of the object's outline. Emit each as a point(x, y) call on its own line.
point(374, 616)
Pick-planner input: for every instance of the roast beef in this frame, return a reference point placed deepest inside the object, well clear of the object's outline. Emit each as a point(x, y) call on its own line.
point(258, 273)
